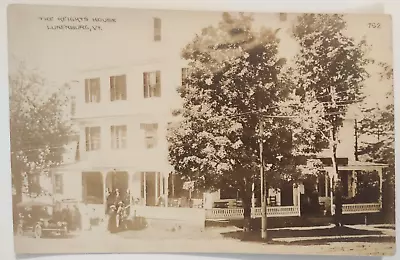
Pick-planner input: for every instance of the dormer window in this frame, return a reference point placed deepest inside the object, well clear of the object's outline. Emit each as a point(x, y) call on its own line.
point(282, 17)
point(157, 29)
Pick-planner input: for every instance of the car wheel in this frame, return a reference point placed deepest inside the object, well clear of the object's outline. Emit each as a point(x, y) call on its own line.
point(20, 230)
point(38, 231)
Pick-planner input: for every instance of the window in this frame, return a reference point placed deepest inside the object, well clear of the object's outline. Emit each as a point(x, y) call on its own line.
point(282, 17)
point(185, 74)
point(157, 29)
point(73, 105)
point(322, 185)
point(150, 134)
point(118, 136)
point(58, 185)
point(118, 87)
point(92, 90)
point(92, 138)
point(152, 84)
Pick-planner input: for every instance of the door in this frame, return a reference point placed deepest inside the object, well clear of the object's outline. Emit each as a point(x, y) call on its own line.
point(151, 189)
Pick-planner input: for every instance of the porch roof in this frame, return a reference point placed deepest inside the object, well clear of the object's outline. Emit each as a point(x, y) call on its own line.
point(81, 166)
point(361, 166)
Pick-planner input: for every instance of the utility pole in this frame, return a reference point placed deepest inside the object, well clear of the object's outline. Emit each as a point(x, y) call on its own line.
point(263, 201)
point(355, 140)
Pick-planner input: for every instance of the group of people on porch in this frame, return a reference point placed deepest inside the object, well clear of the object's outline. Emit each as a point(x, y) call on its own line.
point(116, 197)
point(117, 207)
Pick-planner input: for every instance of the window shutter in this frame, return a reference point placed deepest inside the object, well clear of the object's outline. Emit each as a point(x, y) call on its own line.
point(124, 136)
point(158, 84)
point(87, 136)
point(98, 91)
point(98, 136)
point(123, 88)
point(145, 85)
point(112, 137)
point(112, 88)
point(87, 85)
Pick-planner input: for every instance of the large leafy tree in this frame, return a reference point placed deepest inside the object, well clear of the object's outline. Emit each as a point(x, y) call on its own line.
point(332, 69)
point(39, 128)
point(378, 125)
point(235, 82)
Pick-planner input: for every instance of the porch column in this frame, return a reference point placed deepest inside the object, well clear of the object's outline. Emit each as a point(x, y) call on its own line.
point(130, 186)
point(380, 186)
point(166, 190)
point(104, 178)
point(299, 199)
point(326, 180)
point(157, 193)
point(331, 195)
point(253, 196)
point(144, 189)
point(354, 183)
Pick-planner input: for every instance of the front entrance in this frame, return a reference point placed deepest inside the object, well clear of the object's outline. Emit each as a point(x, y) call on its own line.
point(309, 202)
point(287, 194)
point(117, 180)
point(151, 199)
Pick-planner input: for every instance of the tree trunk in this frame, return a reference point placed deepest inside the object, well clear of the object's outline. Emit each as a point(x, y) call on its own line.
point(337, 192)
point(246, 213)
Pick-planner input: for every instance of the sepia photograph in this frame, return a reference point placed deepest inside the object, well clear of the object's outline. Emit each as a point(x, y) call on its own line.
point(161, 131)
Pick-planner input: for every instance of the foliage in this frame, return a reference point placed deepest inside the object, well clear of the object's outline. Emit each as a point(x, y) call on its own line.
point(378, 124)
point(38, 127)
point(331, 66)
point(331, 69)
point(234, 72)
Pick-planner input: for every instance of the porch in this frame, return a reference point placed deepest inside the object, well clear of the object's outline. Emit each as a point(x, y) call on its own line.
point(138, 188)
point(361, 187)
point(281, 202)
point(91, 185)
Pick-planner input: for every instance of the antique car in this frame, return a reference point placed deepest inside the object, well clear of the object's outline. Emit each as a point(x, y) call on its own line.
point(38, 218)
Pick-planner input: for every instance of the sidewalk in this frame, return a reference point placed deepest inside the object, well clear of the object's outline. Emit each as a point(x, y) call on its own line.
point(370, 231)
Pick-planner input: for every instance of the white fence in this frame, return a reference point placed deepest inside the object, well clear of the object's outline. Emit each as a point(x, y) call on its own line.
point(237, 213)
point(361, 208)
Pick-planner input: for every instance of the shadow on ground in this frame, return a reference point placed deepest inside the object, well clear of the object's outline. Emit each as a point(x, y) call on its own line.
point(51, 236)
point(312, 237)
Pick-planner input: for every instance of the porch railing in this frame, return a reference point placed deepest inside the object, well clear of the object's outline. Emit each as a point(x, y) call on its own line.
point(237, 213)
point(361, 208)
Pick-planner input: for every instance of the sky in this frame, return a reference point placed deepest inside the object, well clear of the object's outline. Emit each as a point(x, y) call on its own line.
point(61, 55)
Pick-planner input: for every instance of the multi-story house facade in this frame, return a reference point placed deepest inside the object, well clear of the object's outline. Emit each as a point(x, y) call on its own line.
point(122, 114)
